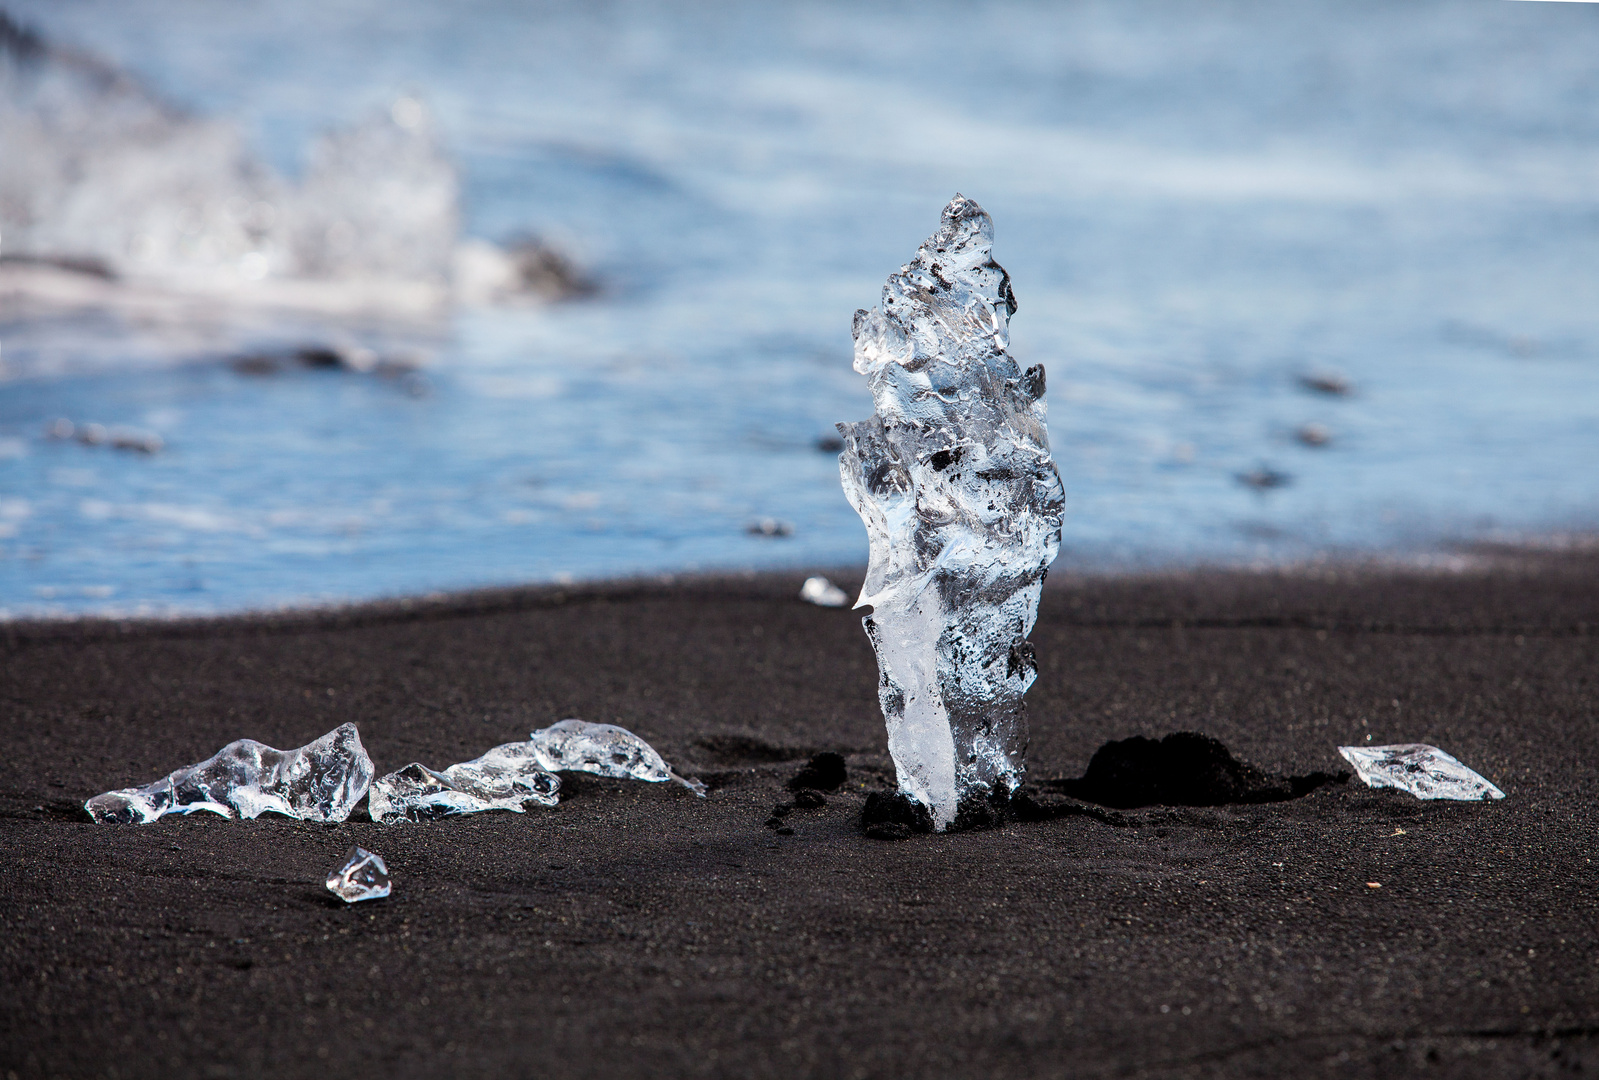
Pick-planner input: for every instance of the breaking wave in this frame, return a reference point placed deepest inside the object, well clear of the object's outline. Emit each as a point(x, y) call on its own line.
point(103, 182)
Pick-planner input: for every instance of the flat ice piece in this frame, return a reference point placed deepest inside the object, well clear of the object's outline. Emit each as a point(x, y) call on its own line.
point(364, 876)
point(606, 750)
point(321, 781)
point(508, 777)
point(1424, 771)
point(823, 593)
point(962, 503)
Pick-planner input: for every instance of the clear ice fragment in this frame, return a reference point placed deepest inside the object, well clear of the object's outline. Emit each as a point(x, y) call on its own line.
point(320, 781)
point(962, 504)
point(1424, 771)
point(362, 877)
point(823, 593)
point(604, 749)
point(508, 777)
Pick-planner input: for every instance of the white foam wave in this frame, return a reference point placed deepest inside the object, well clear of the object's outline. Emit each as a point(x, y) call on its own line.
point(111, 197)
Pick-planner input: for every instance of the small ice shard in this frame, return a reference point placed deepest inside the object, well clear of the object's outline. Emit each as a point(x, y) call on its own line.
point(962, 504)
point(362, 877)
point(321, 781)
point(604, 749)
point(508, 777)
point(823, 593)
point(1424, 771)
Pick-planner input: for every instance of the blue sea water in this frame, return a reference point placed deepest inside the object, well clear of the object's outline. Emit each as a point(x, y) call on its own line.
point(1199, 205)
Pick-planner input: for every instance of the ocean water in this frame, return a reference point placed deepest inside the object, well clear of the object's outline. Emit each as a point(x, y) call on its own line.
point(1200, 206)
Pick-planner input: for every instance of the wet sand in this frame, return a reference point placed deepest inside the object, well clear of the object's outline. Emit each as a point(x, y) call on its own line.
point(638, 931)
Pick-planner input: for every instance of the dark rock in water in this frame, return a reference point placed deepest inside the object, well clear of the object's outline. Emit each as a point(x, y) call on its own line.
point(1314, 435)
point(544, 270)
point(358, 359)
point(1264, 478)
point(319, 356)
point(770, 527)
point(90, 433)
point(390, 368)
point(829, 444)
point(824, 772)
point(1326, 383)
point(1183, 769)
point(255, 364)
point(20, 42)
point(142, 442)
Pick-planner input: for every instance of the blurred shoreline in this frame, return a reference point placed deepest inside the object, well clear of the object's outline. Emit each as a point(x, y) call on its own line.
point(1466, 567)
point(1308, 285)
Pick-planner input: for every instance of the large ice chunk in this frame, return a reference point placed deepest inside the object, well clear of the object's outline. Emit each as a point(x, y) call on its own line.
point(962, 504)
point(320, 781)
point(364, 876)
point(605, 749)
point(509, 777)
point(1424, 771)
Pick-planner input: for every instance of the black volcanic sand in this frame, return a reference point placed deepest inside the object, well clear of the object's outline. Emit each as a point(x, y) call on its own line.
point(638, 931)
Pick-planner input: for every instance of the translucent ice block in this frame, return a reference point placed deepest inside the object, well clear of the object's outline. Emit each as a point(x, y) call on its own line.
point(509, 777)
point(1424, 771)
point(320, 781)
point(362, 877)
point(962, 504)
point(604, 749)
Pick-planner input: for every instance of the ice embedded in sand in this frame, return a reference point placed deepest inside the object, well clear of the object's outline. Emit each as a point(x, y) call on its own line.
point(509, 777)
point(962, 504)
point(1424, 771)
point(320, 781)
point(606, 750)
point(364, 876)
point(823, 593)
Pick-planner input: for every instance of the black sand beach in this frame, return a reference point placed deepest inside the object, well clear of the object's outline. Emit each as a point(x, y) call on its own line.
point(638, 931)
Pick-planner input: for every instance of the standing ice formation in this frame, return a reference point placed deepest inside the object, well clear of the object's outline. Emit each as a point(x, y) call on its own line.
point(962, 505)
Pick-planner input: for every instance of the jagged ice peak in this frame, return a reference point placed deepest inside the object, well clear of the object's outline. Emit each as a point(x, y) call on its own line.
point(953, 478)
